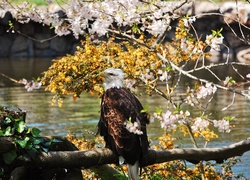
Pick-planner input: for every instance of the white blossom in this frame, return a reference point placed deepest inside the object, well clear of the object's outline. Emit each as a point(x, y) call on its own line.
point(30, 86)
point(164, 76)
point(189, 21)
point(206, 90)
point(214, 42)
point(133, 127)
point(169, 120)
point(222, 125)
point(129, 83)
point(153, 17)
point(158, 27)
point(148, 75)
point(200, 124)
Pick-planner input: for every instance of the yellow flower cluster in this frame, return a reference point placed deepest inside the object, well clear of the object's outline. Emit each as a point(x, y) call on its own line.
point(84, 144)
point(165, 142)
point(176, 169)
point(206, 134)
point(74, 74)
point(185, 46)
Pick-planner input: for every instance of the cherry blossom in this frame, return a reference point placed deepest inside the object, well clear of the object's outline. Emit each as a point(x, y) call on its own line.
point(214, 42)
point(133, 127)
point(164, 76)
point(200, 124)
point(222, 125)
point(97, 17)
point(206, 90)
point(188, 21)
point(168, 120)
point(148, 75)
point(30, 86)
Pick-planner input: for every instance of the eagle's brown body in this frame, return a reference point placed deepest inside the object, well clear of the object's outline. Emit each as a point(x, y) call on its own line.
point(119, 105)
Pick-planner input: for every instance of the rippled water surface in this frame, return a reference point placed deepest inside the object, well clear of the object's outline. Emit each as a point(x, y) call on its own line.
point(81, 117)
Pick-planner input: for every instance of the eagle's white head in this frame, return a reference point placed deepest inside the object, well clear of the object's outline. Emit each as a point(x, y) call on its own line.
point(113, 78)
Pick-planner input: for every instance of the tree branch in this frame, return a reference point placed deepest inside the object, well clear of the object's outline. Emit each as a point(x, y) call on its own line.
point(101, 156)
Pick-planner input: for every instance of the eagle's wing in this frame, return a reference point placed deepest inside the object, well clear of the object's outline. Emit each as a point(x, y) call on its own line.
point(118, 106)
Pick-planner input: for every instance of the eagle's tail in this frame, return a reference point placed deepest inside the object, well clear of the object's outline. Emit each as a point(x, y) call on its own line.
point(133, 171)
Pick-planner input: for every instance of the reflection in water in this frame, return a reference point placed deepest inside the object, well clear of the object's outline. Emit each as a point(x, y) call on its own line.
point(81, 117)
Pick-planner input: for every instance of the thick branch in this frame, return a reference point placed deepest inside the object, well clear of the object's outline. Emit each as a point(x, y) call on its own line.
point(202, 154)
point(102, 156)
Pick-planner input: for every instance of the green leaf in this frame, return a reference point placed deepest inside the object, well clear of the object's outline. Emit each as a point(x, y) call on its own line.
point(23, 143)
point(213, 32)
point(38, 141)
point(20, 126)
point(35, 132)
point(7, 120)
point(158, 110)
point(177, 109)
point(32, 152)
point(8, 131)
point(145, 108)
point(1, 133)
point(45, 149)
point(19, 119)
point(47, 144)
point(56, 141)
point(228, 118)
point(136, 29)
point(129, 119)
point(169, 68)
point(9, 157)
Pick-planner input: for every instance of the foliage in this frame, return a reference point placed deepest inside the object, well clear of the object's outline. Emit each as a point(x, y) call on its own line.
point(27, 139)
point(74, 74)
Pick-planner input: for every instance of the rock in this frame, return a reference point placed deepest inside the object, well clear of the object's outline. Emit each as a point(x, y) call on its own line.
point(20, 54)
point(28, 29)
point(205, 7)
point(58, 44)
point(19, 44)
point(235, 12)
point(45, 53)
point(243, 54)
point(5, 17)
point(5, 44)
point(42, 41)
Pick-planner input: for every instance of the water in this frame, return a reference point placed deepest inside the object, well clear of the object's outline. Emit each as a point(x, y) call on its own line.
point(81, 117)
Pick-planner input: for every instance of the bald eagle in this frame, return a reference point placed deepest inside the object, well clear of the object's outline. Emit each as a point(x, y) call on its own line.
point(122, 122)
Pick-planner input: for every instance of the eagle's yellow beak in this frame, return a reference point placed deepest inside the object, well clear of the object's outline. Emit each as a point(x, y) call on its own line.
point(103, 74)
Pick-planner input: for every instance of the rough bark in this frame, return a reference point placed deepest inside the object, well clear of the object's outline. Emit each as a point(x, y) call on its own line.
point(97, 160)
point(100, 156)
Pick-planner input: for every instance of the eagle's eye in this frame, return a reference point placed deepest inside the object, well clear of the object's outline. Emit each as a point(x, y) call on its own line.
point(111, 74)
